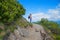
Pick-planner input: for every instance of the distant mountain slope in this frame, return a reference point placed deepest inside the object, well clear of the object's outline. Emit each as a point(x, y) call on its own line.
point(58, 22)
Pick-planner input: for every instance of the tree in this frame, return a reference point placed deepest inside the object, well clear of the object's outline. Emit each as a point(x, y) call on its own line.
point(10, 10)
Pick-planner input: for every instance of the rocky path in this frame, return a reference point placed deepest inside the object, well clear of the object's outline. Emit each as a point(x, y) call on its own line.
point(35, 33)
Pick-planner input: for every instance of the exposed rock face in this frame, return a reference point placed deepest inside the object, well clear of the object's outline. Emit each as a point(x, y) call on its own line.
point(12, 37)
point(29, 33)
point(18, 34)
point(2, 27)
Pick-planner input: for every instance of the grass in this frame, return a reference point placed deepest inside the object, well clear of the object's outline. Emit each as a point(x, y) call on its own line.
point(2, 34)
point(57, 37)
point(22, 22)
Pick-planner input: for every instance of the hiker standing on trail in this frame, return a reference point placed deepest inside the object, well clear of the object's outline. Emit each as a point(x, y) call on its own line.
point(30, 17)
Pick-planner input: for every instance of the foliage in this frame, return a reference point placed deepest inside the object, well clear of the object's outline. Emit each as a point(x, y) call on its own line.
point(10, 10)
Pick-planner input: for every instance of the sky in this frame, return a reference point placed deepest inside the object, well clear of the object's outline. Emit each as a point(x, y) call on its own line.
point(49, 9)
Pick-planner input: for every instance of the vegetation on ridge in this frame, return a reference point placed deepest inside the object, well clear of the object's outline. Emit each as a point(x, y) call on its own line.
point(52, 28)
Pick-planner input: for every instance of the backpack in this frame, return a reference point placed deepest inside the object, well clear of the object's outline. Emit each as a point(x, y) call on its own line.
point(28, 17)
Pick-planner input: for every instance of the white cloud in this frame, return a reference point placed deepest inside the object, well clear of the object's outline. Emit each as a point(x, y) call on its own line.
point(38, 16)
point(52, 14)
point(55, 13)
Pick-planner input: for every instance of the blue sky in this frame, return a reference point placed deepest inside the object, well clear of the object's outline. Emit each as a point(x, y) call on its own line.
point(49, 9)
